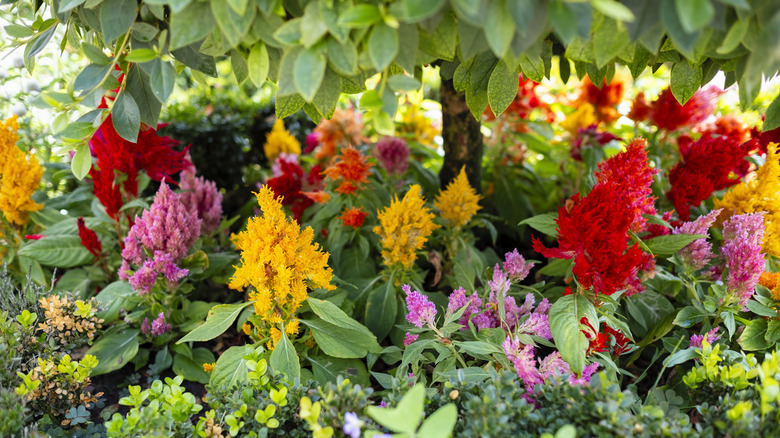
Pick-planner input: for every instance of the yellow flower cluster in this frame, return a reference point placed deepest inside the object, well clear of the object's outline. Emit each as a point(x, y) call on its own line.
point(278, 260)
point(582, 118)
point(405, 227)
point(416, 126)
point(20, 175)
point(761, 193)
point(69, 320)
point(280, 140)
point(459, 202)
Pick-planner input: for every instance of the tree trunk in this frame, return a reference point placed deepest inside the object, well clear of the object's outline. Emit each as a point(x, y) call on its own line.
point(462, 138)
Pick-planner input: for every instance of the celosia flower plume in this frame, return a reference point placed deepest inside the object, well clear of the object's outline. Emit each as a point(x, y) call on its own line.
point(404, 228)
point(279, 141)
point(584, 116)
point(421, 311)
point(353, 217)
point(741, 251)
point(459, 202)
point(699, 252)
point(293, 186)
point(343, 129)
point(392, 154)
point(668, 115)
point(604, 99)
point(20, 175)
point(203, 197)
point(589, 136)
point(351, 168)
point(89, 238)
point(278, 260)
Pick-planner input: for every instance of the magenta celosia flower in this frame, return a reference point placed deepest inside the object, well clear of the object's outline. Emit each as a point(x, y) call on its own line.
point(393, 155)
point(159, 326)
point(522, 357)
point(409, 338)
point(459, 299)
point(544, 306)
point(516, 266)
point(500, 283)
point(741, 250)
point(536, 324)
point(162, 264)
point(202, 197)
point(699, 252)
point(421, 310)
point(711, 336)
point(145, 329)
point(554, 366)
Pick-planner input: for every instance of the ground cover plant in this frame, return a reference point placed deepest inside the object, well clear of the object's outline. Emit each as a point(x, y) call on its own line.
point(389, 218)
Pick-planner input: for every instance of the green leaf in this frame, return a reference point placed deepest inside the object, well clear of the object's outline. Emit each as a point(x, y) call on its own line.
point(545, 223)
point(259, 64)
point(111, 298)
point(502, 88)
point(232, 24)
point(499, 27)
point(285, 360)
point(566, 329)
point(772, 120)
point(327, 369)
point(381, 310)
point(313, 27)
point(670, 244)
point(403, 83)
point(231, 367)
point(773, 331)
point(162, 79)
point(609, 40)
point(339, 341)
point(126, 117)
point(406, 416)
point(116, 17)
point(478, 348)
point(141, 55)
point(191, 24)
point(219, 319)
point(761, 310)
point(415, 10)
point(694, 14)
point(38, 42)
point(343, 58)
point(139, 86)
point(754, 336)
point(362, 15)
point(563, 20)
point(383, 46)
point(61, 251)
point(90, 77)
point(613, 9)
point(81, 161)
point(114, 351)
point(288, 105)
point(309, 72)
point(681, 356)
point(688, 316)
point(95, 54)
point(557, 268)
point(532, 68)
point(240, 70)
point(685, 81)
point(440, 424)
point(238, 5)
point(734, 37)
point(190, 57)
point(192, 369)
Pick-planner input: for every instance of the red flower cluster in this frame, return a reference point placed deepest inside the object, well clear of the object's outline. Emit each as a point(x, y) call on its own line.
point(667, 114)
point(353, 217)
point(351, 167)
point(729, 126)
point(707, 165)
point(633, 177)
point(594, 230)
point(604, 99)
point(292, 182)
point(610, 340)
point(89, 239)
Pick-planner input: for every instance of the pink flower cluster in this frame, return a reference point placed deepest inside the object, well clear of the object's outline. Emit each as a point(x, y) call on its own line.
point(203, 197)
point(711, 336)
point(393, 155)
point(158, 327)
point(699, 252)
point(743, 235)
point(421, 310)
point(534, 371)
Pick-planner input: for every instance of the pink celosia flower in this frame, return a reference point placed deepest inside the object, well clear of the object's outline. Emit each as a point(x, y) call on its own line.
point(741, 250)
point(522, 357)
point(393, 155)
point(421, 310)
point(202, 197)
point(699, 252)
point(500, 283)
point(553, 366)
point(159, 326)
point(459, 299)
point(145, 329)
point(409, 338)
point(516, 266)
point(711, 336)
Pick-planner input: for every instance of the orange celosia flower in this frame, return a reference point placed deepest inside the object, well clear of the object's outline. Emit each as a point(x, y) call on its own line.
point(640, 108)
point(208, 367)
point(604, 99)
point(343, 129)
point(771, 281)
point(353, 217)
point(351, 167)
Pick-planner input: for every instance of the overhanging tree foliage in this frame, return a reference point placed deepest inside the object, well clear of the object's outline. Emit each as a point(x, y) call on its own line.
point(315, 50)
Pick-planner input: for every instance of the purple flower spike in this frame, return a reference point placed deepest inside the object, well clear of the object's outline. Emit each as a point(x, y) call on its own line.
point(516, 266)
point(459, 299)
point(393, 155)
point(743, 236)
point(159, 325)
point(711, 336)
point(523, 359)
point(421, 310)
point(202, 197)
point(699, 252)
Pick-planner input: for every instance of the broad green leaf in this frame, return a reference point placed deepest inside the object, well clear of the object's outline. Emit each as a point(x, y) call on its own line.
point(532, 68)
point(111, 298)
point(233, 25)
point(114, 351)
point(478, 348)
point(339, 341)
point(406, 416)
point(189, 56)
point(327, 369)
point(60, 251)
point(403, 83)
point(116, 17)
point(192, 368)
point(381, 310)
point(95, 54)
point(670, 244)
point(313, 27)
point(81, 161)
point(773, 331)
point(681, 356)
point(285, 360)
point(240, 70)
point(191, 24)
point(609, 40)
point(238, 5)
point(499, 27)
point(231, 367)
point(566, 329)
point(440, 424)
point(613, 9)
point(309, 71)
point(563, 20)
point(343, 58)
point(162, 79)
point(685, 81)
point(753, 338)
point(383, 46)
point(734, 37)
point(18, 31)
point(288, 105)
point(141, 55)
point(502, 88)
point(126, 117)
point(761, 310)
point(545, 223)
point(90, 77)
point(772, 120)
point(219, 319)
point(258, 64)
point(415, 10)
point(139, 86)
point(38, 42)
point(362, 15)
point(688, 316)
point(694, 14)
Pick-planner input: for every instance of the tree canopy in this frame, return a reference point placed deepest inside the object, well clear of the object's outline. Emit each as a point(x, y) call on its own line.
point(316, 50)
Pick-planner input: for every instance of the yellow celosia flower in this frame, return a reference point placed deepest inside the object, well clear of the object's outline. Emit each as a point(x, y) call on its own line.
point(459, 201)
point(416, 126)
point(208, 367)
point(405, 227)
point(278, 260)
point(280, 140)
point(20, 175)
point(759, 194)
point(582, 118)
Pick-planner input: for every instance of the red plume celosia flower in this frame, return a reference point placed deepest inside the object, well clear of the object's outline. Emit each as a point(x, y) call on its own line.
point(632, 175)
point(353, 217)
point(89, 238)
point(291, 181)
point(708, 165)
point(667, 114)
point(351, 167)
